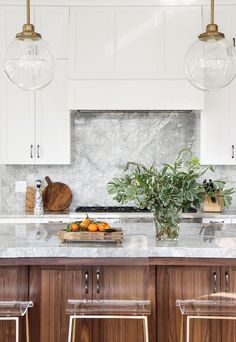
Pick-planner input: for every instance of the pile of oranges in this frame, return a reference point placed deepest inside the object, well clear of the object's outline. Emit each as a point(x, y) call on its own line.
point(88, 225)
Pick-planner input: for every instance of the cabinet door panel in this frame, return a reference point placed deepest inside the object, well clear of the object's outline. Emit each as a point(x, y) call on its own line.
point(17, 124)
point(12, 20)
point(117, 283)
point(53, 120)
point(216, 144)
point(57, 286)
point(181, 26)
point(53, 24)
point(92, 45)
point(13, 286)
point(137, 43)
point(228, 286)
point(184, 283)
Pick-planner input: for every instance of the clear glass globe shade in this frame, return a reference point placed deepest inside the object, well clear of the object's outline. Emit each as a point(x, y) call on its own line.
point(29, 64)
point(211, 64)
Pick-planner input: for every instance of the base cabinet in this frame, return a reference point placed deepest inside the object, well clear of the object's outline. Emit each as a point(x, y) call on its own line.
point(51, 287)
point(13, 286)
point(185, 283)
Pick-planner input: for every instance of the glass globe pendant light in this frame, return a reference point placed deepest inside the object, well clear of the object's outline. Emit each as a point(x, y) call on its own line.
point(210, 63)
point(29, 62)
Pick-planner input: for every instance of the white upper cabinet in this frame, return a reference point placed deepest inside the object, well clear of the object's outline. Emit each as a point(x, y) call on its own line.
point(137, 40)
point(218, 119)
point(52, 140)
point(12, 19)
point(53, 24)
point(91, 43)
point(17, 124)
point(35, 127)
point(132, 57)
point(181, 26)
point(131, 42)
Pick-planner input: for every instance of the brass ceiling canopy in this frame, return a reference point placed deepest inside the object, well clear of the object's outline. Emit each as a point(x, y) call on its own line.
point(28, 29)
point(212, 28)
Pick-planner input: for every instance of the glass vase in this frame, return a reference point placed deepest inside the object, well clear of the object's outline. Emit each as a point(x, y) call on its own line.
point(165, 230)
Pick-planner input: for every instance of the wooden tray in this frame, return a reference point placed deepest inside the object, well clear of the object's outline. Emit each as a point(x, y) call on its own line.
point(85, 236)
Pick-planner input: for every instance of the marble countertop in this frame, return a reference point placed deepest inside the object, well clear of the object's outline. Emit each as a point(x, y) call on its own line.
point(195, 241)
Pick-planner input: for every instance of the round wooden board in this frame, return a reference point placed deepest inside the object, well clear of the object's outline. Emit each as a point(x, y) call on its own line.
point(56, 196)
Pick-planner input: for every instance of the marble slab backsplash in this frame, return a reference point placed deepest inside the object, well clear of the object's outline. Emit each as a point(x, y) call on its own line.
point(102, 143)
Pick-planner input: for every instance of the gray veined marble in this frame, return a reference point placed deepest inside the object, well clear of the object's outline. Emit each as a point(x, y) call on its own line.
point(102, 144)
point(41, 241)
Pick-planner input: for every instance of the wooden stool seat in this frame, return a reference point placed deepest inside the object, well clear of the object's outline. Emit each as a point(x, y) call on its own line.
point(104, 309)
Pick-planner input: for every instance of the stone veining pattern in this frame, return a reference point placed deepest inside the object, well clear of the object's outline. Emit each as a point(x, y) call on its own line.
point(102, 144)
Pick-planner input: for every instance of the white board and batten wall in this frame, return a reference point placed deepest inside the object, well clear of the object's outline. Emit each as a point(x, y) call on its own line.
point(125, 55)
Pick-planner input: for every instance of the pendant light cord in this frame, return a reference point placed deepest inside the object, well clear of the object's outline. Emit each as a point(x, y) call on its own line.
point(212, 11)
point(28, 11)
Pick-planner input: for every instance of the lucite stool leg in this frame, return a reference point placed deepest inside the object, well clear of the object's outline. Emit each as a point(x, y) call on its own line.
point(181, 334)
point(188, 329)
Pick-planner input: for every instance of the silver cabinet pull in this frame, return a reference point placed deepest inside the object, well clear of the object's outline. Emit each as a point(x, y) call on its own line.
point(226, 281)
point(38, 156)
point(98, 281)
point(31, 151)
point(214, 282)
point(86, 280)
point(234, 42)
point(233, 151)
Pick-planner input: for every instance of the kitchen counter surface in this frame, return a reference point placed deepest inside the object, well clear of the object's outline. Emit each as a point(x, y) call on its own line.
point(196, 241)
point(49, 217)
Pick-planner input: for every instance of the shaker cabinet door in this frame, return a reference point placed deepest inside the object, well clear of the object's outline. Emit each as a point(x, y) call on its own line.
point(128, 283)
point(52, 142)
point(53, 24)
point(174, 282)
point(13, 286)
point(17, 124)
point(50, 289)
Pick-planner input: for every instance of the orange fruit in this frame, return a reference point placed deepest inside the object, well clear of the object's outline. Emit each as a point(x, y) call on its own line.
point(74, 227)
point(93, 227)
point(103, 226)
point(85, 223)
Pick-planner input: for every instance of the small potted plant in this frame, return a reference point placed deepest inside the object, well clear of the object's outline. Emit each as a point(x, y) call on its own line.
point(217, 197)
point(165, 191)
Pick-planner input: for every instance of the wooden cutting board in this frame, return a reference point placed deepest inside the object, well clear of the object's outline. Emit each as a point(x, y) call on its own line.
point(56, 196)
point(30, 198)
point(85, 236)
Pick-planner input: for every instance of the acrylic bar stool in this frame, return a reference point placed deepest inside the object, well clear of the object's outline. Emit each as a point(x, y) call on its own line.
point(220, 309)
point(12, 311)
point(103, 309)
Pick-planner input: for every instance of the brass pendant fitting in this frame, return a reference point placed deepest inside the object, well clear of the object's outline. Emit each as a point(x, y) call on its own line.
point(28, 32)
point(211, 32)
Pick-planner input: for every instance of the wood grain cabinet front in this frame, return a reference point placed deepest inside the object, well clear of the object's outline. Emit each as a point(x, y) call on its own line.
point(13, 286)
point(180, 282)
point(51, 287)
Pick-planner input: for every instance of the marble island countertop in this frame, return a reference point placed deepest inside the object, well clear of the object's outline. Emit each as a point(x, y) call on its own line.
point(41, 241)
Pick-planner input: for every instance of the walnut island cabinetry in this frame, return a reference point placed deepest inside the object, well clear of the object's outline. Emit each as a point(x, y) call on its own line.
point(49, 274)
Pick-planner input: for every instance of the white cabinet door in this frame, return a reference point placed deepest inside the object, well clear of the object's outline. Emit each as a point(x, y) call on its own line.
point(53, 24)
point(138, 43)
point(181, 26)
point(218, 123)
point(91, 43)
point(17, 124)
point(216, 146)
point(12, 20)
point(53, 120)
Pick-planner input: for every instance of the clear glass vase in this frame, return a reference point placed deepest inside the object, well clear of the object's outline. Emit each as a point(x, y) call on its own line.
point(165, 230)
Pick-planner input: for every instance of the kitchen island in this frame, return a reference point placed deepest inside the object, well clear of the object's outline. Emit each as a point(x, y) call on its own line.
point(36, 265)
